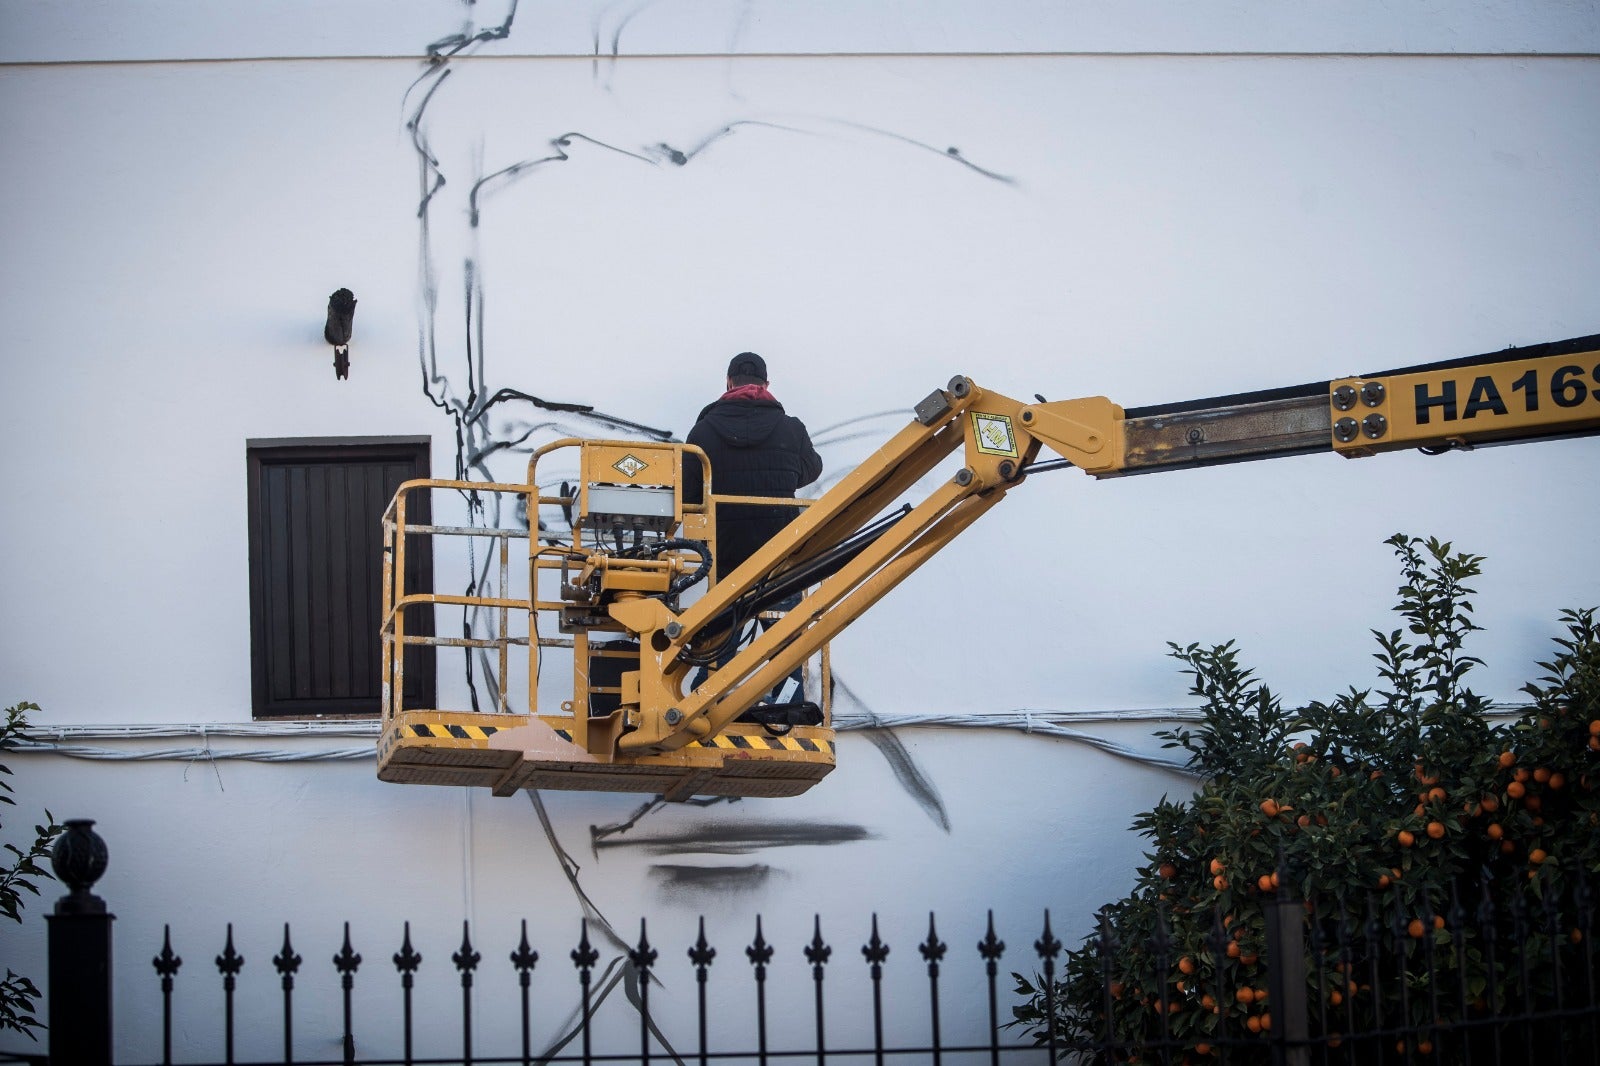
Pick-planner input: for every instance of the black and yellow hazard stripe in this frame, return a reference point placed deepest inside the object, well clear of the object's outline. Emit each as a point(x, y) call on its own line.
point(739, 742)
point(449, 732)
point(433, 732)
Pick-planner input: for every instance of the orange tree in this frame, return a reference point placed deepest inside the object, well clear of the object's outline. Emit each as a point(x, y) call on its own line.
point(1428, 844)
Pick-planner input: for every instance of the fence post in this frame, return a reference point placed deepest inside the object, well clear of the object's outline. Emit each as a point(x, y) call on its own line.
point(1286, 978)
point(80, 952)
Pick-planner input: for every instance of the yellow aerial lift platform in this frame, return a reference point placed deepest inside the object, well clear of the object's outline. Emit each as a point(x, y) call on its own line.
point(670, 697)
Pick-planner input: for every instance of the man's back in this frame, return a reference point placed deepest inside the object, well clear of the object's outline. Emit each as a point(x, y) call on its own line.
point(756, 449)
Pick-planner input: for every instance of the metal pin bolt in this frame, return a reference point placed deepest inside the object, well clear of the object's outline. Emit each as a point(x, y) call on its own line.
point(959, 386)
point(1345, 430)
point(673, 630)
point(964, 476)
point(1374, 426)
point(1372, 393)
point(1008, 469)
point(674, 716)
point(1344, 397)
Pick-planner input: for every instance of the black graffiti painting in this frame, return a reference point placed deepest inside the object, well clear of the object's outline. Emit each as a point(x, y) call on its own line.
point(493, 419)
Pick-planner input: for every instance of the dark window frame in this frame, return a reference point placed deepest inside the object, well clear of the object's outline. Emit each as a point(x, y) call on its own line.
point(262, 457)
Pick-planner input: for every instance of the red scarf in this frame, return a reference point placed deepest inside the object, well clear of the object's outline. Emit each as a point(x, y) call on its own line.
point(749, 392)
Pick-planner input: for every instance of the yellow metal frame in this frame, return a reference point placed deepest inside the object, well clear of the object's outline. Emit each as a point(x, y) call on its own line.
point(507, 750)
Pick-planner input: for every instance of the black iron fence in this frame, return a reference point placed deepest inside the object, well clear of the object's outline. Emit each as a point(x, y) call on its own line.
point(1371, 983)
point(548, 1033)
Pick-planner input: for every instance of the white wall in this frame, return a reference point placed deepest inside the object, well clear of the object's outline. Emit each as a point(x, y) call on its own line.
point(1332, 191)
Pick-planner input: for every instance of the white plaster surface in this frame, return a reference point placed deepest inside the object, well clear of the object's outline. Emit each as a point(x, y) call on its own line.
point(1176, 226)
point(57, 30)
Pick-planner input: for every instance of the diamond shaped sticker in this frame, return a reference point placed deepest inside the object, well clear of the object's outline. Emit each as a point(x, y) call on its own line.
point(994, 434)
point(629, 465)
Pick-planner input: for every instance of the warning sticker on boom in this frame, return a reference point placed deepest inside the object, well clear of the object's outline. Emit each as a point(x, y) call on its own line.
point(994, 434)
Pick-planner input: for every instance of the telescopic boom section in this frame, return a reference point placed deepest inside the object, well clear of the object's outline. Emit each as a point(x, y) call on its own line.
point(1550, 390)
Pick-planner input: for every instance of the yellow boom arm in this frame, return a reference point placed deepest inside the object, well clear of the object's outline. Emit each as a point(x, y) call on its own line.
point(848, 548)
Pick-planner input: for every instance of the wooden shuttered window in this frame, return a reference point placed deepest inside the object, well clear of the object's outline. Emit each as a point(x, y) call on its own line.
point(316, 566)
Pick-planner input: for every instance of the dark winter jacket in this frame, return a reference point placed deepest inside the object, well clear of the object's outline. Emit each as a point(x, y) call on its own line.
point(755, 450)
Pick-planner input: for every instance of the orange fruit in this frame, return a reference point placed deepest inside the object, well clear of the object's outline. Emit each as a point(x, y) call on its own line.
point(1216, 866)
point(1168, 871)
point(1495, 830)
point(1558, 781)
point(1537, 856)
point(1436, 830)
point(1507, 760)
point(1219, 882)
point(1253, 1023)
point(1542, 774)
point(1245, 995)
point(1438, 921)
point(1490, 804)
point(1416, 928)
point(1435, 794)
point(1594, 728)
point(1522, 774)
point(1264, 882)
point(1405, 838)
point(1336, 997)
point(1270, 808)
point(1515, 790)
point(1186, 965)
